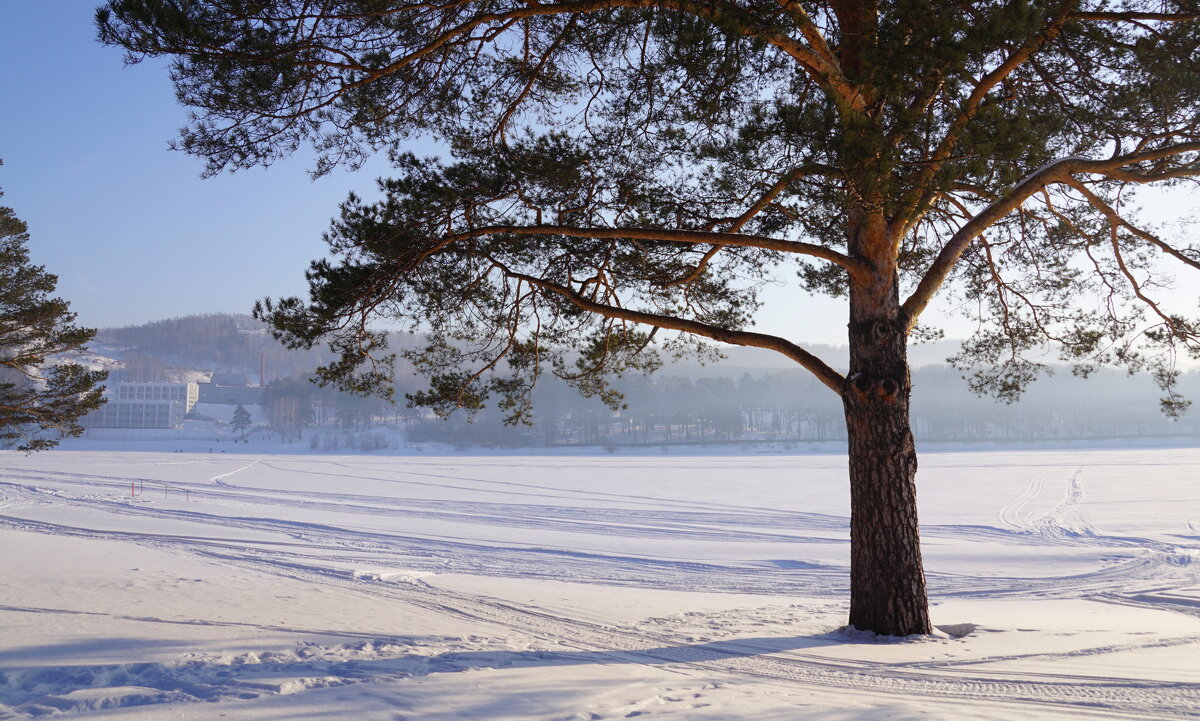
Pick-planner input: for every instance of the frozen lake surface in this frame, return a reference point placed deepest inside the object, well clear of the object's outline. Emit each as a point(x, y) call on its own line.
point(141, 585)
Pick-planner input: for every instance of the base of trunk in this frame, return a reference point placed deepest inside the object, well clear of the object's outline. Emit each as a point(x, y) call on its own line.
point(887, 580)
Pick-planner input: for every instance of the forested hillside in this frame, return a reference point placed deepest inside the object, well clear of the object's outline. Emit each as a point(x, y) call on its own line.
point(160, 350)
point(732, 401)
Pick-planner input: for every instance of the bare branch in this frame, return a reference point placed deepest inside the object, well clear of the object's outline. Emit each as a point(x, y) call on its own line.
point(502, 123)
point(1116, 219)
point(1060, 171)
point(827, 375)
point(764, 201)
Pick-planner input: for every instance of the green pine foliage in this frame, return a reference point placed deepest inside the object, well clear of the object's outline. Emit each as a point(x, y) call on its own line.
point(41, 398)
point(618, 168)
point(241, 419)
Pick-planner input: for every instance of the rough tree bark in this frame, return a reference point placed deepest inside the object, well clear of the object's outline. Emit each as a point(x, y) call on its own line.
point(887, 580)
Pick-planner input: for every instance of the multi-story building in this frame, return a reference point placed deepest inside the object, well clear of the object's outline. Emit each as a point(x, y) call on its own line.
point(136, 414)
point(186, 394)
point(231, 389)
point(144, 405)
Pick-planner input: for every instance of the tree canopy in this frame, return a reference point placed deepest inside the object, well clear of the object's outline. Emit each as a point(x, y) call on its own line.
point(38, 394)
point(617, 168)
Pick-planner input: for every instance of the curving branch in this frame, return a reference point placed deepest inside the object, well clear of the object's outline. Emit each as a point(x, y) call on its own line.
point(827, 375)
point(765, 200)
point(855, 266)
point(818, 62)
point(1117, 220)
point(1059, 171)
point(921, 195)
point(511, 109)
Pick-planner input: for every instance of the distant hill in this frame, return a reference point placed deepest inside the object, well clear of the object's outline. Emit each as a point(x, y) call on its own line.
point(172, 348)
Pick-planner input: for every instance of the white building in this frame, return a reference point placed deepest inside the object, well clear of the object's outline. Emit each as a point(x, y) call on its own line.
point(136, 414)
point(185, 394)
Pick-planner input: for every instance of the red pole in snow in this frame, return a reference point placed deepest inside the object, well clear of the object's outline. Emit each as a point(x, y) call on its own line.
point(132, 492)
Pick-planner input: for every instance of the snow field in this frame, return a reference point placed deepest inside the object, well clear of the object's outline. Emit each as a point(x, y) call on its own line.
point(1066, 585)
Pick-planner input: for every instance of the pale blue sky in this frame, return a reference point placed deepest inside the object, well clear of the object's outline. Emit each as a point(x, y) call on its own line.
point(131, 230)
point(135, 235)
point(129, 227)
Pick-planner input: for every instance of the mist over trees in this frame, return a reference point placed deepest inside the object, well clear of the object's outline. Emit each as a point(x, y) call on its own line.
point(171, 349)
point(786, 406)
point(158, 351)
point(289, 405)
point(748, 398)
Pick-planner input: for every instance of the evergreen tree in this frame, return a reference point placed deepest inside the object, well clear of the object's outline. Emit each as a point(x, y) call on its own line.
point(38, 394)
point(241, 420)
point(625, 167)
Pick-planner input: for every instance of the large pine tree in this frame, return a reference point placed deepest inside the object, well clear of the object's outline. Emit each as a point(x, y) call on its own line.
point(619, 168)
point(41, 397)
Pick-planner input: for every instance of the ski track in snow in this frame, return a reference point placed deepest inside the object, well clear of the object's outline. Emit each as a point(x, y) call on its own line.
point(1054, 524)
point(326, 554)
point(1013, 514)
point(219, 480)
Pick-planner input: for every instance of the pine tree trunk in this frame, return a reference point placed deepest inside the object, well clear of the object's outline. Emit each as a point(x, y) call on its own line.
point(887, 580)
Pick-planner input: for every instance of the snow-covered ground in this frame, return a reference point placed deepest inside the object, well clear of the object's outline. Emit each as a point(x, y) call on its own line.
point(141, 585)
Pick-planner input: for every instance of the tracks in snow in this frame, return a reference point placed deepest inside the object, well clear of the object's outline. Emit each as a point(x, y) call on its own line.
point(323, 553)
point(1013, 514)
point(378, 544)
point(763, 659)
point(1054, 524)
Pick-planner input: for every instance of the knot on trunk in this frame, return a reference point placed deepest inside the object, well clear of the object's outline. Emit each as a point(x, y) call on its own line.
point(879, 331)
point(882, 330)
point(864, 387)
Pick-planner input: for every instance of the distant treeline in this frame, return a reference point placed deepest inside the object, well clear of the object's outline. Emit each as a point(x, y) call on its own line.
point(679, 404)
point(792, 406)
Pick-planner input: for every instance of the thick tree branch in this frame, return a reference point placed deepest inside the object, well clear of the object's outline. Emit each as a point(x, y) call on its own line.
point(827, 375)
point(812, 33)
point(1059, 171)
point(921, 194)
point(853, 265)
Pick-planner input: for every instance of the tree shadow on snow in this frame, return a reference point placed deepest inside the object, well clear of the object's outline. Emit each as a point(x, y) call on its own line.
point(48, 689)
